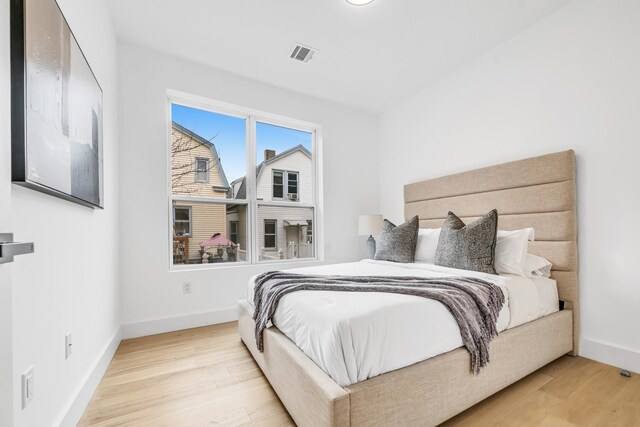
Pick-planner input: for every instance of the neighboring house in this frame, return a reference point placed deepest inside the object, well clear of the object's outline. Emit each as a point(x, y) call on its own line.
point(196, 172)
point(283, 231)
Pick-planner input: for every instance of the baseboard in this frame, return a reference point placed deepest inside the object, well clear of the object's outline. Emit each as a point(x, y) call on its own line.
point(610, 354)
point(79, 403)
point(178, 323)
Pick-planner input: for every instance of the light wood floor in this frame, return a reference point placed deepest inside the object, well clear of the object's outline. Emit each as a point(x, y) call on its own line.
point(206, 376)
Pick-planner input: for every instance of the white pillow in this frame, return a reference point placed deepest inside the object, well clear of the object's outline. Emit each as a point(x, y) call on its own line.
point(427, 244)
point(511, 251)
point(537, 266)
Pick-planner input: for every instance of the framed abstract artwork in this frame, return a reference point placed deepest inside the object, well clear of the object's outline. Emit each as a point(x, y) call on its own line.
point(56, 107)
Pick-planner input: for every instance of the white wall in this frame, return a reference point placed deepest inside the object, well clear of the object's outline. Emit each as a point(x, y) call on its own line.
point(149, 290)
point(570, 81)
point(6, 348)
point(70, 284)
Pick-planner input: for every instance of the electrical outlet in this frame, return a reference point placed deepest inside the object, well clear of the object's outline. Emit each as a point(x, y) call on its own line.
point(68, 345)
point(27, 387)
point(186, 288)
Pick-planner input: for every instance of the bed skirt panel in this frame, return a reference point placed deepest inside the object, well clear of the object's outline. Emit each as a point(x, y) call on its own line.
point(424, 394)
point(432, 391)
point(309, 394)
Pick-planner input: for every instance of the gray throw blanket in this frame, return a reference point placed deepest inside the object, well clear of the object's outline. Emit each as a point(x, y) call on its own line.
point(474, 303)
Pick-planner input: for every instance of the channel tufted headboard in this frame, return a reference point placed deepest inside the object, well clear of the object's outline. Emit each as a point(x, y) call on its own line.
point(538, 192)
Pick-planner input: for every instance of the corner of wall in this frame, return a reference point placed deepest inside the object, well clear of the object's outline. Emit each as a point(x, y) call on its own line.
point(81, 398)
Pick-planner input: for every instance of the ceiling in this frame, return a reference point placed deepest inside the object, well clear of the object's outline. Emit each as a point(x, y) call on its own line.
point(370, 57)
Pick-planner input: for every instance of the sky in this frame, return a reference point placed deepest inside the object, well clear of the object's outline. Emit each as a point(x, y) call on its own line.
point(229, 137)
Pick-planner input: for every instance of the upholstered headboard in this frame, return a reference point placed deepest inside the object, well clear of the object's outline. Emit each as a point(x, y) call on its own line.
point(539, 192)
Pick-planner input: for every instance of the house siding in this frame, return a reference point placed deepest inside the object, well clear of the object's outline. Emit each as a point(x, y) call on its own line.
point(281, 214)
point(186, 184)
point(297, 161)
point(206, 218)
point(239, 213)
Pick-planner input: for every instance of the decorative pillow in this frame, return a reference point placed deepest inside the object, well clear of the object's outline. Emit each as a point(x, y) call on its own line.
point(537, 266)
point(427, 244)
point(511, 251)
point(398, 243)
point(471, 246)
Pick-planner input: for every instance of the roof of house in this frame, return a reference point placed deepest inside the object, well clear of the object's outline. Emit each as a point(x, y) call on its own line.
point(241, 183)
point(212, 147)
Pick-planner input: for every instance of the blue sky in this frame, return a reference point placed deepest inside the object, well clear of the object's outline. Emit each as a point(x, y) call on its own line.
point(230, 136)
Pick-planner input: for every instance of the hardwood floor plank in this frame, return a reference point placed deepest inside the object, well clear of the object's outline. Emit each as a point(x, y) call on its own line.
point(592, 396)
point(206, 376)
point(494, 409)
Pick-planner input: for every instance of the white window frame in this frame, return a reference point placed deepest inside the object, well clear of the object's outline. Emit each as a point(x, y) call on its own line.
point(252, 117)
point(285, 184)
point(197, 171)
point(273, 184)
point(275, 234)
point(188, 208)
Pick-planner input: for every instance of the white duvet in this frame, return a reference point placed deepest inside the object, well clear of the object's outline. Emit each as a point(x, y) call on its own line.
point(353, 336)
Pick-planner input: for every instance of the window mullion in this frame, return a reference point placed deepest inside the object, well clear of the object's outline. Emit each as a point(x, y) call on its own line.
point(252, 238)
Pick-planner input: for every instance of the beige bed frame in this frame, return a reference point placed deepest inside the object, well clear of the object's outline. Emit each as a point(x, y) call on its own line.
point(538, 192)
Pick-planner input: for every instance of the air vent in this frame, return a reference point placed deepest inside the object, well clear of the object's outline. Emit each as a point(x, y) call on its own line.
point(302, 53)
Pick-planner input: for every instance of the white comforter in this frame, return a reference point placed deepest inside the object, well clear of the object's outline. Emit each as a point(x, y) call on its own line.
point(353, 336)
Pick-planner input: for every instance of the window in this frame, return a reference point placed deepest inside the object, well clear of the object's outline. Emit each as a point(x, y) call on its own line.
point(291, 178)
point(255, 165)
point(182, 220)
point(233, 231)
point(278, 184)
point(202, 170)
point(270, 235)
point(292, 185)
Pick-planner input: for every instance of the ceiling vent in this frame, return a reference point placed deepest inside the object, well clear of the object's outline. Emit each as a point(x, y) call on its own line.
point(302, 53)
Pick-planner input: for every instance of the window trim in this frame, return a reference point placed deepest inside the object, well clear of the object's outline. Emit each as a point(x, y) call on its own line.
point(206, 171)
point(251, 117)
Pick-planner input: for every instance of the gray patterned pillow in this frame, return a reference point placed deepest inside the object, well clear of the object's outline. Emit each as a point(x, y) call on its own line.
point(468, 247)
point(398, 243)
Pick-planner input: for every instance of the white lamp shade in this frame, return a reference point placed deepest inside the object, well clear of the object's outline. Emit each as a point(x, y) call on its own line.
point(359, 2)
point(369, 224)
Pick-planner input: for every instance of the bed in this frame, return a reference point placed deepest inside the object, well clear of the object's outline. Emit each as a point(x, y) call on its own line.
point(537, 192)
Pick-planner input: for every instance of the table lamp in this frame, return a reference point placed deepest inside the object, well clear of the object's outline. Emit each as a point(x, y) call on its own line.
point(368, 225)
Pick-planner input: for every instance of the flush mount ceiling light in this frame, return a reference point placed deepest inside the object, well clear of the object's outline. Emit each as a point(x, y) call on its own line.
point(359, 2)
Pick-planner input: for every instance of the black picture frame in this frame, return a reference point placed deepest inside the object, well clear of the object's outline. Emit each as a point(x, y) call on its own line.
point(83, 179)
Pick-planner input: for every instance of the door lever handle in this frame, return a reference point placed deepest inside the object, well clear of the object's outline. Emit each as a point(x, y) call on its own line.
point(9, 248)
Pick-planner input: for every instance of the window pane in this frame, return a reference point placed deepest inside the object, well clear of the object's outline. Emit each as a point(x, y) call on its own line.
point(210, 239)
point(278, 191)
point(283, 232)
point(286, 155)
point(208, 154)
point(269, 241)
point(181, 214)
point(182, 228)
point(292, 179)
point(270, 226)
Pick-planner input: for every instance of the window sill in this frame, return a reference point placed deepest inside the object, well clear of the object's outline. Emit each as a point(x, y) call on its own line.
point(239, 265)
